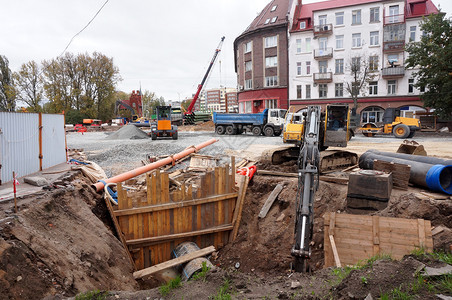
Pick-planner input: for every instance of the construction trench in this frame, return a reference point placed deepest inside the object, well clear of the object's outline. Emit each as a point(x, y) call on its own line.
point(69, 239)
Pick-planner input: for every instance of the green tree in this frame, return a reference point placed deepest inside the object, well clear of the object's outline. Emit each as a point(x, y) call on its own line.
point(7, 89)
point(150, 102)
point(29, 86)
point(432, 57)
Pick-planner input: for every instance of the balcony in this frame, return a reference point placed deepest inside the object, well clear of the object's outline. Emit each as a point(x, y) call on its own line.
point(323, 77)
point(393, 72)
point(393, 46)
point(394, 19)
point(323, 53)
point(324, 29)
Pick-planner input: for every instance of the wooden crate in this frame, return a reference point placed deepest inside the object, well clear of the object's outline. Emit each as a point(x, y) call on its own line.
point(153, 222)
point(400, 172)
point(360, 237)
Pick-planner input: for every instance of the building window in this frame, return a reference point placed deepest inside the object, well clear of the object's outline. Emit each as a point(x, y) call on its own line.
point(248, 84)
point(267, 21)
point(273, 20)
point(308, 45)
point(372, 115)
point(339, 18)
point(356, 17)
point(393, 58)
point(323, 90)
point(323, 66)
point(308, 68)
point(339, 41)
point(274, 8)
point(340, 66)
point(302, 24)
point(393, 14)
point(271, 41)
point(299, 68)
point(322, 20)
point(373, 88)
point(339, 89)
point(248, 66)
point(298, 91)
point(374, 38)
point(248, 106)
point(392, 87)
point(410, 86)
point(248, 47)
point(271, 81)
point(271, 103)
point(271, 61)
point(356, 40)
point(412, 33)
point(298, 42)
point(308, 91)
point(373, 63)
point(374, 14)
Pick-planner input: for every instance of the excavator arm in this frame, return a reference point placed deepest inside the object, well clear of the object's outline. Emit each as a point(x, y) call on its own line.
point(308, 183)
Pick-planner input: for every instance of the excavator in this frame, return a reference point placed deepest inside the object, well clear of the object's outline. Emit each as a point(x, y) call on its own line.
point(335, 132)
point(319, 130)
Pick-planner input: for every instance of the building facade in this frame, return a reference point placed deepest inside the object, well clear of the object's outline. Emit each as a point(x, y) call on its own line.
point(327, 39)
point(218, 99)
point(261, 60)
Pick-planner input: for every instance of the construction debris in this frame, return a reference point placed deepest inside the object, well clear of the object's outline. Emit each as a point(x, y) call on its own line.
point(128, 132)
point(269, 202)
point(36, 181)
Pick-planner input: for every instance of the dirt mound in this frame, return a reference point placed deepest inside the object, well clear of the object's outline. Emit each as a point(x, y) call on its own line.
point(128, 132)
point(57, 245)
point(202, 126)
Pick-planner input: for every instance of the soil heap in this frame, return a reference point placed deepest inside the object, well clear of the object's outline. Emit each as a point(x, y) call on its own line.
point(128, 132)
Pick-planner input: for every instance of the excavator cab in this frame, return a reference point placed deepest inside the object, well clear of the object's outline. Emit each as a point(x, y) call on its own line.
point(337, 120)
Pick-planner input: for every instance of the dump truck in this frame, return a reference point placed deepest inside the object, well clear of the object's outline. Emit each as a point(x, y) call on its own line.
point(393, 123)
point(269, 122)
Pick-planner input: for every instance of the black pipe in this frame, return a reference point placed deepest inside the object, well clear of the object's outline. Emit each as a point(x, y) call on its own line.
point(419, 158)
point(436, 177)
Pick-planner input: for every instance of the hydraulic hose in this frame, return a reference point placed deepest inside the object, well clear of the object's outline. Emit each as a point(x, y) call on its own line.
point(434, 176)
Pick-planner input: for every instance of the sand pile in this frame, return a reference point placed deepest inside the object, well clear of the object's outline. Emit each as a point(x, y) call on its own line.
point(128, 132)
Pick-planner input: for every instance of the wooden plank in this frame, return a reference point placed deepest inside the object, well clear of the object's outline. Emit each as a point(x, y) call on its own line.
point(233, 171)
point(435, 196)
point(336, 255)
point(172, 205)
point(173, 262)
point(276, 173)
point(421, 225)
point(332, 223)
point(175, 236)
point(238, 208)
point(400, 172)
point(438, 230)
point(339, 180)
point(376, 234)
point(269, 202)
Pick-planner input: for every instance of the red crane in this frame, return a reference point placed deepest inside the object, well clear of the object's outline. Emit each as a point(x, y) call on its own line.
point(189, 113)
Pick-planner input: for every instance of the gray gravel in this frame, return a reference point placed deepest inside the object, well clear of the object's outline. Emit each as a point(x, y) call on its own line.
point(127, 154)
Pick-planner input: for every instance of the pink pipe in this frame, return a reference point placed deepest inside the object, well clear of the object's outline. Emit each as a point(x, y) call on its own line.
point(160, 163)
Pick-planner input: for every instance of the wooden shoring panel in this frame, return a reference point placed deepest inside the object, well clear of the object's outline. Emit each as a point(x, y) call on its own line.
point(156, 222)
point(358, 237)
point(400, 172)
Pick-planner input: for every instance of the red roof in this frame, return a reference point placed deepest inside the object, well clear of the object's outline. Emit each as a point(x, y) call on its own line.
point(305, 11)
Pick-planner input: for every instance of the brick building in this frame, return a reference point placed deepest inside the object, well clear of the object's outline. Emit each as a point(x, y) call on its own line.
point(261, 61)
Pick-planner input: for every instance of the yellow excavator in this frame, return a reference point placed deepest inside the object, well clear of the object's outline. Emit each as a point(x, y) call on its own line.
point(333, 132)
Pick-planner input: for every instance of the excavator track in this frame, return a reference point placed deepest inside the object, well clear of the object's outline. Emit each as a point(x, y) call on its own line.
point(329, 159)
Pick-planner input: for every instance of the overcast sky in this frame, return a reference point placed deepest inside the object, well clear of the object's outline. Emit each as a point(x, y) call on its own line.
point(164, 45)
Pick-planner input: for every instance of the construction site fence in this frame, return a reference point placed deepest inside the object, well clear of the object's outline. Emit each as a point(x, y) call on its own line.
point(30, 142)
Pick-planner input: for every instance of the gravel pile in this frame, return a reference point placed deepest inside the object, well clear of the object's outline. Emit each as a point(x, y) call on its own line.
point(128, 132)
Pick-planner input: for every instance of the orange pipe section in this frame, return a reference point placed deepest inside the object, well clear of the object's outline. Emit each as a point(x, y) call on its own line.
point(160, 163)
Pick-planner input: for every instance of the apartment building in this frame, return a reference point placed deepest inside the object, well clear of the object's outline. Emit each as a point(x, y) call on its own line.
point(327, 38)
point(217, 99)
point(261, 62)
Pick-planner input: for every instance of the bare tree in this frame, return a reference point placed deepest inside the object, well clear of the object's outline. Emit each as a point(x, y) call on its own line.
point(361, 70)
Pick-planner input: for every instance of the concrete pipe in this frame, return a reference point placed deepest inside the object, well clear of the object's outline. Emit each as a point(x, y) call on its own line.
point(410, 157)
point(436, 177)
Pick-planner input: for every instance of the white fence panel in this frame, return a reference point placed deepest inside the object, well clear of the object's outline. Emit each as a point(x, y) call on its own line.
point(19, 144)
point(53, 140)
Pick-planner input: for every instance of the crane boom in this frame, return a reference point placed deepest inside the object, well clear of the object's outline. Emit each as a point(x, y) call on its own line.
point(195, 98)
